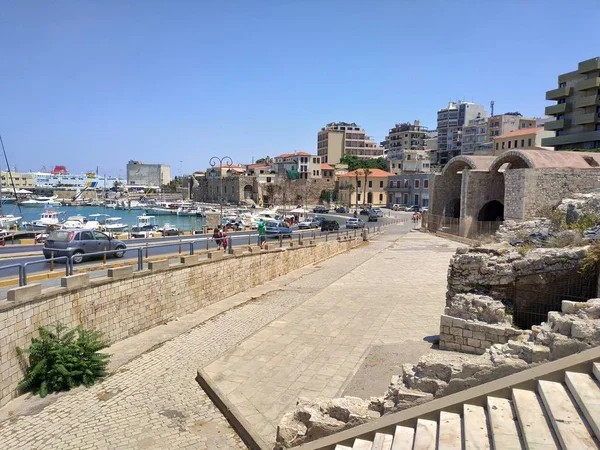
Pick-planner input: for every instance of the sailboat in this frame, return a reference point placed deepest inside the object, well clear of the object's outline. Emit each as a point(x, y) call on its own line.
point(6, 220)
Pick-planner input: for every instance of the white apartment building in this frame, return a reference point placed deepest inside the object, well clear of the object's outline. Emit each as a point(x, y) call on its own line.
point(450, 122)
point(298, 165)
point(475, 136)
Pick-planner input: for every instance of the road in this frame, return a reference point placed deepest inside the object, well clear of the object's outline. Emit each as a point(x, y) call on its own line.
point(168, 246)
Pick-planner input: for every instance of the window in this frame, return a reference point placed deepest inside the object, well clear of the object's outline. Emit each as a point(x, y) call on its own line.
point(393, 166)
point(598, 127)
point(497, 146)
point(358, 183)
point(100, 236)
point(416, 199)
point(370, 183)
point(522, 142)
point(562, 85)
point(358, 197)
point(516, 144)
point(529, 142)
point(268, 179)
point(405, 182)
point(86, 236)
point(317, 173)
point(509, 143)
point(381, 185)
point(425, 184)
point(380, 198)
point(561, 101)
point(417, 183)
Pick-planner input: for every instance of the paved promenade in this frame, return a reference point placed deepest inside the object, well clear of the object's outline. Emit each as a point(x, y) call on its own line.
point(391, 292)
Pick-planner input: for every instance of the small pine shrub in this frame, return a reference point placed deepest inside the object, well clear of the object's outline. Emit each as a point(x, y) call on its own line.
point(584, 222)
point(59, 360)
point(590, 262)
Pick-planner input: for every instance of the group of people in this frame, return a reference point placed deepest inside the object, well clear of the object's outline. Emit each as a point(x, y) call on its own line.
point(220, 236)
point(416, 217)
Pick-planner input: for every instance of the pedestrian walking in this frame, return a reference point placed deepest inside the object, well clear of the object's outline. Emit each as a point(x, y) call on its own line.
point(217, 236)
point(262, 233)
point(224, 240)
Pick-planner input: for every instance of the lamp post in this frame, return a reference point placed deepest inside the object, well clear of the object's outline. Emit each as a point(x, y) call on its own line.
point(213, 162)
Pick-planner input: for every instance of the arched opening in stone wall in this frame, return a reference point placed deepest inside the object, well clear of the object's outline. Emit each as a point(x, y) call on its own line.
point(491, 212)
point(452, 208)
point(247, 192)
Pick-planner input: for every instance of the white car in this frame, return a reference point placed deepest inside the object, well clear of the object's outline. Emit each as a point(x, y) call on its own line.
point(378, 212)
point(354, 222)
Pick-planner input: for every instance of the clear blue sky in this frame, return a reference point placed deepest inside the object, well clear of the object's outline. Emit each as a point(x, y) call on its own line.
point(96, 83)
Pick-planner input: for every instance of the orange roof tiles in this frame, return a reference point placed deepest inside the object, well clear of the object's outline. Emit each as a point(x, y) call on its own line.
point(376, 173)
point(326, 167)
point(289, 155)
point(521, 132)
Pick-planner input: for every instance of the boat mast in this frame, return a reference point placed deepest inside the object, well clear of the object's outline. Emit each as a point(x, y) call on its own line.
point(11, 178)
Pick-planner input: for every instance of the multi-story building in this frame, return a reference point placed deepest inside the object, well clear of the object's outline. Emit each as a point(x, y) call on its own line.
point(360, 187)
point(409, 189)
point(337, 139)
point(577, 110)
point(475, 136)
point(401, 138)
point(524, 139)
point(505, 123)
point(412, 161)
point(152, 175)
point(450, 121)
point(21, 180)
point(263, 172)
point(299, 165)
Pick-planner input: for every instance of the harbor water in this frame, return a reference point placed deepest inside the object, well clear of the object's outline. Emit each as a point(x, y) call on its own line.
point(129, 217)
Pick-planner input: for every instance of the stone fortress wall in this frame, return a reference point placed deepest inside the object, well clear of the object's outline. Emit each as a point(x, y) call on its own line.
point(127, 303)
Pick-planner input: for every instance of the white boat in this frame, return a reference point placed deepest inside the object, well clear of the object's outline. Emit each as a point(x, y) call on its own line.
point(161, 211)
point(40, 202)
point(77, 222)
point(8, 220)
point(114, 224)
point(187, 211)
point(146, 227)
point(46, 219)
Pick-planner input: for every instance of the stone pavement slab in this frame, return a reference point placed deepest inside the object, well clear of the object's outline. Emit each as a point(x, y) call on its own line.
point(154, 401)
point(395, 295)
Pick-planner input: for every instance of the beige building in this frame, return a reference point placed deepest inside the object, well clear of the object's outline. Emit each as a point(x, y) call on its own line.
point(577, 112)
point(340, 138)
point(505, 123)
point(22, 180)
point(361, 187)
point(299, 165)
point(412, 161)
point(525, 139)
point(141, 174)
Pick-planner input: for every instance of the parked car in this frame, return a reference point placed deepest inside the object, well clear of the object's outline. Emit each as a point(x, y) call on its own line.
point(330, 225)
point(364, 212)
point(372, 217)
point(424, 210)
point(319, 219)
point(414, 208)
point(276, 228)
point(397, 207)
point(342, 209)
point(377, 211)
point(354, 222)
point(320, 209)
point(77, 243)
point(309, 223)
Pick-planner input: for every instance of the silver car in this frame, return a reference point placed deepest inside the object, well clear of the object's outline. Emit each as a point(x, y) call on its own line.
point(354, 222)
point(77, 243)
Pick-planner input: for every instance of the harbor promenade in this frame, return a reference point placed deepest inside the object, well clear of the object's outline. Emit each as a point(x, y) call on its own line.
point(388, 292)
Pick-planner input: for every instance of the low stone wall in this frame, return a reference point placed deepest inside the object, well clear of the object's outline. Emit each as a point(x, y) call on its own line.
point(132, 302)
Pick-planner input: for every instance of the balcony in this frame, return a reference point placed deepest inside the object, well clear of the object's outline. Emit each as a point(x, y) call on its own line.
point(590, 65)
point(584, 102)
point(575, 138)
point(556, 125)
point(555, 94)
point(583, 119)
point(557, 109)
point(590, 83)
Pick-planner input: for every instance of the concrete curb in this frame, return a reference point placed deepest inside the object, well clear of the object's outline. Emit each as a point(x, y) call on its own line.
point(231, 413)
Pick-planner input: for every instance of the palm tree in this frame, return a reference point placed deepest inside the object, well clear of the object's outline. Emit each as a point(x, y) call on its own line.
point(367, 172)
point(351, 190)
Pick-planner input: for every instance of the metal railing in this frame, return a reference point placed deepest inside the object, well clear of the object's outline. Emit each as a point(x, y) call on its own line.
point(184, 246)
point(471, 229)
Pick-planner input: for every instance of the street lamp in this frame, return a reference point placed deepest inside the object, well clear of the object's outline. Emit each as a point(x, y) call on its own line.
point(213, 162)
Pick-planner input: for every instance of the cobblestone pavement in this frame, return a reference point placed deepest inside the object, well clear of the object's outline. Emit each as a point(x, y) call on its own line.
point(154, 401)
point(394, 296)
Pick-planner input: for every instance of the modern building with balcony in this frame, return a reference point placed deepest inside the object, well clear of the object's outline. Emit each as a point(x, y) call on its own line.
point(299, 165)
point(475, 136)
point(410, 189)
point(404, 136)
point(450, 122)
point(576, 114)
point(337, 139)
point(505, 123)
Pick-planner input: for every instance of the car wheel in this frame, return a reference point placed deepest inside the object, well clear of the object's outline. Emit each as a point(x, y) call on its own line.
point(46, 256)
point(77, 257)
point(121, 253)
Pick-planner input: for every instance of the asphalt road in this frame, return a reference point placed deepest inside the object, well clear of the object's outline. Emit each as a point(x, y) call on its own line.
point(168, 245)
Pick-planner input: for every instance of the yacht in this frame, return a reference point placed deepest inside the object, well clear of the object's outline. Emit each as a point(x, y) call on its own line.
point(8, 221)
point(47, 218)
point(41, 202)
point(114, 224)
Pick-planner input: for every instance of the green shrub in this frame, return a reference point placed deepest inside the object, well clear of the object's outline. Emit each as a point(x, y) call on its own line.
point(584, 222)
point(589, 264)
point(59, 360)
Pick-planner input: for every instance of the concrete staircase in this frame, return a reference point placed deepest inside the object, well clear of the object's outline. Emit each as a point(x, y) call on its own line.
point(561, 411)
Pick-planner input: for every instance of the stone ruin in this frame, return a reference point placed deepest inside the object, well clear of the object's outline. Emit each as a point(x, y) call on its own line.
point(479, 333)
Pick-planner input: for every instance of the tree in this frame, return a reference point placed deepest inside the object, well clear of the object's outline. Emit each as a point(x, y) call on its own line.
point(354, 163)
point(367, 172)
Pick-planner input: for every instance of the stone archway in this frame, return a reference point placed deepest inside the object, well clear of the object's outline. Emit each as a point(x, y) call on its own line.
point(452, 208)
point(247, 192)
point(492, 211)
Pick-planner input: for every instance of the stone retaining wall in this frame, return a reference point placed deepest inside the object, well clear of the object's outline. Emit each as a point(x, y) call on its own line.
point(121, 308)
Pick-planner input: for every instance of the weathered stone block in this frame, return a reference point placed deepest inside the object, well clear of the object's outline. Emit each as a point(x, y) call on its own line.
point(478, 335)
point(467, 333)
point(75, 281)
point(582, 330)
point(119, 273)
point(188, 259)
point(456, 331)
point(446, 321)
point(24, 293)
point(459, 323)
point(161, 264)
point(215, 255)
point(467, 349)
point(474, 342)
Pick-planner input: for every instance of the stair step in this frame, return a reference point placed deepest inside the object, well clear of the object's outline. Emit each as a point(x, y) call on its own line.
point(450, 432)
point(342, 447)
point(570, 429)
point(596, 370)
point(403, 438)
point(382, 441)
point(361, 444)
point(425, 435)
point(476, 428)
point(535, 427)
point(585, 391)
point(505, 432)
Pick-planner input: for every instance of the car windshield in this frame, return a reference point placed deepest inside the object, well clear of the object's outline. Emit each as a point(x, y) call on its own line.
point(272, 224)
point(60, 236)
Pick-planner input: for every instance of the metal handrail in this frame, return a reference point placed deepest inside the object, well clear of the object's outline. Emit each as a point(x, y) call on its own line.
point(15, 266)
point(66, 259)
